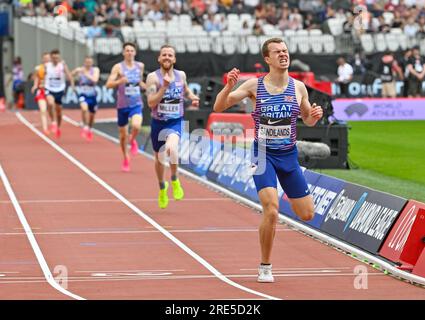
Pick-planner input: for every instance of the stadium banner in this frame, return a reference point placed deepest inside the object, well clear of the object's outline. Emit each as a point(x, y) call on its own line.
point(399, 239)
point(236, 174)
point(362, 216)
point(357, 88)
point(324, 190)
point(419, 268)
point(379, 109)
point(232, 169)
point(197, 153)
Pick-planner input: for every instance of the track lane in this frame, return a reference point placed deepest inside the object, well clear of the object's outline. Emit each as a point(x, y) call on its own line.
point(291, 249)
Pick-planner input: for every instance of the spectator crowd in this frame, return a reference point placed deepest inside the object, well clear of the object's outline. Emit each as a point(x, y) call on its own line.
point(409, 67)
point(106, 15)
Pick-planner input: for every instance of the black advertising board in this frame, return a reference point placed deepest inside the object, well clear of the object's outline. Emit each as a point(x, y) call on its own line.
point(362, 217)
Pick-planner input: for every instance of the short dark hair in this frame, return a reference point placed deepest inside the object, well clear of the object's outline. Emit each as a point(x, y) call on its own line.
point(167, 46)
point(265, 47)
point(131, 44)
point(55, 51)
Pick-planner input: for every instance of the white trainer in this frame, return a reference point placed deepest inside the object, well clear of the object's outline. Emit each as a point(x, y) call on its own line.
point(265, 273)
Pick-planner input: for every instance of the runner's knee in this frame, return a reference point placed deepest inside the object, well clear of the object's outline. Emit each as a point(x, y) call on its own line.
point(84, 106)
point(305, 213)
point(136, 122)
point(271, 212)
point(42, 106)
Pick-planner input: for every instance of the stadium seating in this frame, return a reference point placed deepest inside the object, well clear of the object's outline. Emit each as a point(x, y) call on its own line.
point(367, 42)
point(188, 36)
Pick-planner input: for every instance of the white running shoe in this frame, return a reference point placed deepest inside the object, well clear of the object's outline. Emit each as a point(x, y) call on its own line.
point(265, 273)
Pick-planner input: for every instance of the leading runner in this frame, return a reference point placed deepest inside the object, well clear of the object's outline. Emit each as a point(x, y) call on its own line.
point(279, 100)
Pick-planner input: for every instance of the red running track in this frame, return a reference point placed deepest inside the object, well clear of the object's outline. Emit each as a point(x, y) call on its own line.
point(110, 251)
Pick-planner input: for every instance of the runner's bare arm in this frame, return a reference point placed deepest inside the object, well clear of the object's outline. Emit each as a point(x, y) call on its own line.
point(154, 95)
point(96, 74)
point(75, 71)
point(36, 80)
point(113, 79)
point(69, 75)
point(189, 93)
point(227, 98)
point(142, 84)
point(309, 113)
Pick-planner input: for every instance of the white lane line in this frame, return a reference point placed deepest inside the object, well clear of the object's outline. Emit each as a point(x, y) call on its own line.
point(109, 200)
point(43, 264)
point(100, 120)
point(131, 271)
point(64, 233)
point(315, 268)
point(106, 120)
point(166, 233)
point(106, 277)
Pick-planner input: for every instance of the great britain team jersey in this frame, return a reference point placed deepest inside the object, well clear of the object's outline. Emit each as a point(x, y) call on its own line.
point(171, 105)
point(87, 87)
point(129, 94)
point(275, 117)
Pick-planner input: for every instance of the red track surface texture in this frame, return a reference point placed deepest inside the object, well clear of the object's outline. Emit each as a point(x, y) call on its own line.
point(111, 252)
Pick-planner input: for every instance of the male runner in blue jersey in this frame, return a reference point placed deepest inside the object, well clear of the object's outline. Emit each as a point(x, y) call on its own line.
point(166, 88)
point(88, 76)
point(278, 100)
point(128, 77)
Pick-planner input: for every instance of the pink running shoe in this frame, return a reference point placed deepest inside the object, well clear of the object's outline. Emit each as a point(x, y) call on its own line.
point(89, 135)
point(125, 165)
point(134, 147)
point(58, 133)
point(83, 133)
point(53, 127)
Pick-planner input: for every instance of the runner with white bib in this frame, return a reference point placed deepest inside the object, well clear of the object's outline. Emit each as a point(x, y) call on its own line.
point(55, 84)
point(166, 88)
point(88, 77)
point(279, 100)
point(127, 76)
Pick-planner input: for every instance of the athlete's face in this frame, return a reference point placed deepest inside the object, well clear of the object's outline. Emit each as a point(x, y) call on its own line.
point(167, 58)
point(88, 63)
point(46, 58)
point(278, 56)
point(129, 53)
point(55, 58)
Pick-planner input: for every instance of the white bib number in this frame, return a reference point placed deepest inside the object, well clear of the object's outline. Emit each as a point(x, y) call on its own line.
point(169, 109)
point(274, 132)
point(55, 82)
point(87, 90)
point(132, 91)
